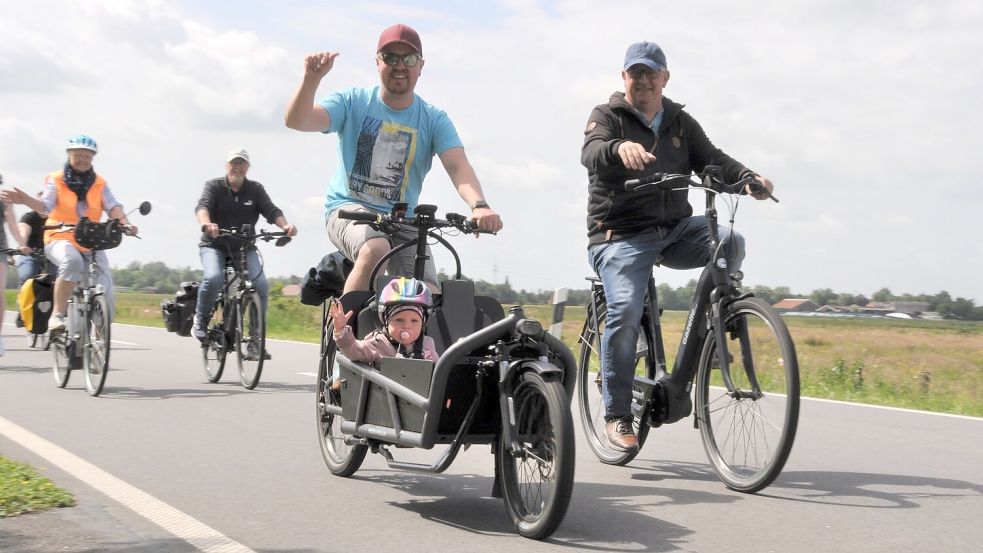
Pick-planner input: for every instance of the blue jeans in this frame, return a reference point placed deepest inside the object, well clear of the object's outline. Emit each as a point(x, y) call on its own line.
point(213, 280)
point(27, 267)
point(624, 267)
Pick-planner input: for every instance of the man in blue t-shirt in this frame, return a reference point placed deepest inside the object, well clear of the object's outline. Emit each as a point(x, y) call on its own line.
point(388, 137)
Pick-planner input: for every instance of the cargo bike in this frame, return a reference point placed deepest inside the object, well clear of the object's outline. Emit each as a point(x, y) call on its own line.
point(500, 380)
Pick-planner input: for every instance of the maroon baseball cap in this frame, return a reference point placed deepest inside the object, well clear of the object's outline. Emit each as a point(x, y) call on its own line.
point(400, 33)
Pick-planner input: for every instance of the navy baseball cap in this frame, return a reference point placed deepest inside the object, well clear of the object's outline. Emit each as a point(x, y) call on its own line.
point(645, 53)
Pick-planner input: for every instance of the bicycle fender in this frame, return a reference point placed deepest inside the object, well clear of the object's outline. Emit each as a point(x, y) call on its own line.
point(544, 369)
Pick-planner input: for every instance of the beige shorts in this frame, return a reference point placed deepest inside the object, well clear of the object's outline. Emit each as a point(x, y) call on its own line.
point(349, 237)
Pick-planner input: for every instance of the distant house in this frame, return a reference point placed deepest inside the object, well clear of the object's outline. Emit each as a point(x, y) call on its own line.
point(291, 290)
point(911, 307)
point(796, 304)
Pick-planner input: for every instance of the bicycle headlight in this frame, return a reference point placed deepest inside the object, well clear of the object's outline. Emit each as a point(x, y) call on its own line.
point(248, 284)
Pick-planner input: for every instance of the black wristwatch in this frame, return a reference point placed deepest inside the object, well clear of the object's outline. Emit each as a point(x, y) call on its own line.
point(480, 204)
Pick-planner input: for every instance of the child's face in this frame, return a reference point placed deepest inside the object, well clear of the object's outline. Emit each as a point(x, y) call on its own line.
point(405, 327)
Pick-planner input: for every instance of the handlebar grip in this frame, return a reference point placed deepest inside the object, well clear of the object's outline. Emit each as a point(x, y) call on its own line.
point(359, 216)
point(632, 184)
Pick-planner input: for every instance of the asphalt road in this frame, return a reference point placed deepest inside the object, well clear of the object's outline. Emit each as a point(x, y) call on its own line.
point(241, 471)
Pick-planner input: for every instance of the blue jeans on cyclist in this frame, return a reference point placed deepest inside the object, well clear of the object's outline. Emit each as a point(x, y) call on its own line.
point(624, 267)
point(213, 280)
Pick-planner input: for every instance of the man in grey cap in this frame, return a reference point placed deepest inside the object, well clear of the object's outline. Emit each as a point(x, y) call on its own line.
point(228, 203)
point(636, 133)
point(387, 138)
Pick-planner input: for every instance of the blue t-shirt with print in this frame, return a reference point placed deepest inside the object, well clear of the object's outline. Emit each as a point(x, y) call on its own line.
point(385, 153)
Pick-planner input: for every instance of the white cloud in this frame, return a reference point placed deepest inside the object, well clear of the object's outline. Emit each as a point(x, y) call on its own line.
point(864, 114)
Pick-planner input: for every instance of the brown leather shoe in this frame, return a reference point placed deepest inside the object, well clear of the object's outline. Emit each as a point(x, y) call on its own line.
point(621, 435)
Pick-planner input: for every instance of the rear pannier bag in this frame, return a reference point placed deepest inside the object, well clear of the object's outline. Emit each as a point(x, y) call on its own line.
point(34, 301)
point(179, 313)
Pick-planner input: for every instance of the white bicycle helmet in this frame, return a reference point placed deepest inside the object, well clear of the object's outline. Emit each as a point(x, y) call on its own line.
point(82, 141)
point(401, 292)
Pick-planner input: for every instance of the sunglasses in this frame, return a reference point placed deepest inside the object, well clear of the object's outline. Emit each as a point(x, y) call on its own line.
point(390, 59)
point(637, 73)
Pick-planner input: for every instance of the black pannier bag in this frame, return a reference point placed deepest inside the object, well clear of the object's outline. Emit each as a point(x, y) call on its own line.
point(325, 280)
point(179, 313)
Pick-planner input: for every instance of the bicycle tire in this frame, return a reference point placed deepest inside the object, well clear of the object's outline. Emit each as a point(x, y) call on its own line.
point(95, 357)
point(214, 349)
point(250, 340)
point(748, 433)
point(538, 482)
point(590, 400)
point(61, 368)
point(341, 458)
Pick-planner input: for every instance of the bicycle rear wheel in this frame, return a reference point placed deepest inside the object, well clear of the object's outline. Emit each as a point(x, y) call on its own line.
point(95, 358)
point(215, 348)
point(538, 481)
point(590, 398)
point(62, 367)
point(748, 428)
point(341, 458)
point(250, 340)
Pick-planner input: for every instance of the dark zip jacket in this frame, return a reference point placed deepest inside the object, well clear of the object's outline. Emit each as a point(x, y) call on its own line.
point(231, 210)
point(680, 147)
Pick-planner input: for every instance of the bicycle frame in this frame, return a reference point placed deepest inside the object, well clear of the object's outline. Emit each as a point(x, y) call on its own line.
point(668, 396)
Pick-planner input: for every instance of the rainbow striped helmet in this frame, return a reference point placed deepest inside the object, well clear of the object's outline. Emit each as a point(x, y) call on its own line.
point(404, 291)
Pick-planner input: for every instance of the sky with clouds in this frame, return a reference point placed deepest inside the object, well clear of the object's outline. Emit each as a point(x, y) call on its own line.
point(866, 115)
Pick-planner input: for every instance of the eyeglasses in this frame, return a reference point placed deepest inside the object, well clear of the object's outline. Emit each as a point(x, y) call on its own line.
point(239, 161)
point(637, 73)
point(390, 59)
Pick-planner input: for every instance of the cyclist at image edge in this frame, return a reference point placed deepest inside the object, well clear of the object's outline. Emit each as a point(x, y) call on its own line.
point(31, 226)
point(228, 203)
point(639, 132)
point(74, 192)
point(7, 215)
point(387, 139)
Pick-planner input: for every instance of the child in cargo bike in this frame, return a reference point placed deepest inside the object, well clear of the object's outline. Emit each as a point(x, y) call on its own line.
point(403, 307)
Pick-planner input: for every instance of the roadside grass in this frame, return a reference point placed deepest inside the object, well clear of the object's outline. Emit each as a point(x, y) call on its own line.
point(23, 490)
point(917, 364)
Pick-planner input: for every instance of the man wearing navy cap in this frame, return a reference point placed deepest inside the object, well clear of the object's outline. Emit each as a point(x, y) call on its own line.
point(636, 133)
point(388, 137)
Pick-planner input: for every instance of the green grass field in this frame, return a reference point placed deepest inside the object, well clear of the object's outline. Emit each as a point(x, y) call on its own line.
point(931, 365)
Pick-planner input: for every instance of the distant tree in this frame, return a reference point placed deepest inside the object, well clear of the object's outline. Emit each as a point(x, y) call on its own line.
point(883, 295)
point(822, 296)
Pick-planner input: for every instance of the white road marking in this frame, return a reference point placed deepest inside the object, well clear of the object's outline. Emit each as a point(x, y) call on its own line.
point(185, 527)
point(314, 375)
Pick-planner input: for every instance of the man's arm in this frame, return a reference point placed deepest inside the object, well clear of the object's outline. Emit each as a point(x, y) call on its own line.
point(606, 153)
point(302, 113)
point(203, 211)
point(703, 153)
point(459, 169)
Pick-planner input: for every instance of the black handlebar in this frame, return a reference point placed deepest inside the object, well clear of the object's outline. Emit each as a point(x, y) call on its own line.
point(363, 216)
point(711, 178)
point(423, 218)
point(246, 233)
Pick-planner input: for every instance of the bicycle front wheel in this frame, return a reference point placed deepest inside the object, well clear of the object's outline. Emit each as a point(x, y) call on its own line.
point(342, 458)
point(748, 425)
point(537, 481)
point(250, 340)
point(590, 397)
point(62, 366)
point(215, 348)
point(95, 358)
